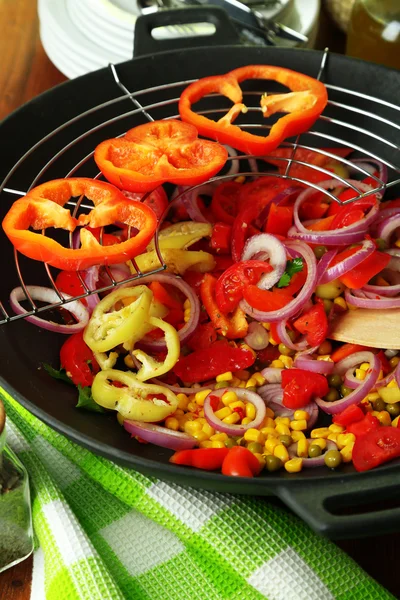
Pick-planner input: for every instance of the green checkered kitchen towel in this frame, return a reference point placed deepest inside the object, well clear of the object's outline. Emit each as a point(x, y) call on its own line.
point(106, 532)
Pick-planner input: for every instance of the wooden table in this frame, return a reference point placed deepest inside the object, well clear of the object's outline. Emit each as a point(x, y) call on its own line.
point(26, 72)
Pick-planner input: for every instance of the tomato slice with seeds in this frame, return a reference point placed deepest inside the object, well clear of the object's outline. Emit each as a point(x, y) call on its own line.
point(231, 284)
point(376, 447)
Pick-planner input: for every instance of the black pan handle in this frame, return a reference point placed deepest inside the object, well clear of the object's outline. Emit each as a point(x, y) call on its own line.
point(225, 32)
point(322, 503)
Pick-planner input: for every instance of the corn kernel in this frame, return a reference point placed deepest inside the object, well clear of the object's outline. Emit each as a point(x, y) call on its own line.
point(397, 243)
point(219, 437)
point(320, 432)
point(200, 436)
point(282, 429)
point(269, 412)
point(395, 421)
point(186, 304)
point(325, 357)
point(299, 415)
point(380, 376)
point(128, 360)
point(251, 382)
point(242, 384)
point(266, 326)
point(392, 384)
point(259, 378)
point(232, 419)
point(208, 430)
point(266, 453)
point(246, 420)
point(352, 307)
point(229, 397)
point(321, 442)
point(237, 404)
point(272, 341)
point(269, 431)
point(254, 435)
point(300, 425)
point(340, 302)
point(260, 459)
point(243, 375)
point(186, 315)
point(201, 396)
point(222, 413)
point(250, 410)
point(394, 361)
point(372, 397)
point(332, 437)
point(240, 179)
point(183, 401)
point(347, 453)
point(360, 374)
point(384, 418)
point(277, 364)
point(297, 436)
point(208, 444)
point(178, 413)
point(228, 376)
point(280, 451)
point(269, 422)
point(343, 439)
point(294, 465)
point(192, 406)
point(302, 448)
point(201, 413)
point(192, 426)
point(235, 381)
point(390, 395)
point(172, 423)
point(287, 361)
point(334, 428)
point(366, 405)
point(282, 421)
point(202, 420)
point(271, 443)
point(365, 366)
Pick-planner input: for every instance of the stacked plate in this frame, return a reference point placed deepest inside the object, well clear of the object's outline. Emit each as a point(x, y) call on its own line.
point(80, 36)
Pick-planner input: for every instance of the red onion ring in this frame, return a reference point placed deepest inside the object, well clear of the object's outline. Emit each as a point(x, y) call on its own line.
point(324, 263)
point(50, 296)
point(363, 300)
point(91, 278)
point(343, 239)
point(347, 264)
point(272, 394)
point(160, 436)
point(272, 375)
point(257, 336)
point(189, 327)
point(305, 293)
point(395, 374)
point(265, 242)
point(364, 163)
point(285, 339)
point(317, 461)
point(242, 394)
point(387, 227)
point(181, 390)
point(361, 391)
point(324, 367)
point(188, 196)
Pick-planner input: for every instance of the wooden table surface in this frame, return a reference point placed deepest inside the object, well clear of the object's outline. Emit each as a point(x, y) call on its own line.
point(25, 72)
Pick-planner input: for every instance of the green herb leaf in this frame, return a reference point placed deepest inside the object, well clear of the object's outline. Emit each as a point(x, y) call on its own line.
point(57, 374)
point(86, 401)
point(292, 267)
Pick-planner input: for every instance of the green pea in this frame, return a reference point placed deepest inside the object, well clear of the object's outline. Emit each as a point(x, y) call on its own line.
point(379, 404)
point(334, 381)
point(255, 447)
point(229, 443)
point(332, 459)
point(319, 251)
point(242, 442)
point(221, 384)
point(345, 391)
point(314, 450)
point(292, 335)
point(327, 305)
point(329, 291)
point(393, 409)
point(285, 350)
point(286, 440)
point(273, 463)
point(332, 395)
point(381, 244)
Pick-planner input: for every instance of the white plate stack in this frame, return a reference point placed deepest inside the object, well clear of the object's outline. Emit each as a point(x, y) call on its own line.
point(80, 36)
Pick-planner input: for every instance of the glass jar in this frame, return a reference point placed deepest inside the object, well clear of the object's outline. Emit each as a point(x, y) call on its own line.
point(16, 538)
point(374, 32)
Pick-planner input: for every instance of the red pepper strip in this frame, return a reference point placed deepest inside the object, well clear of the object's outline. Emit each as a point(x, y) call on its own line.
point(231, 284)
point(221, 238)
point(224, 203)
point(314, 209)
point(69, 283)
point(154, 153)
point(364, 426)
point(300, 387)
point(351, 213)
point(266, 300)
point(351, 414)
point(314, 324)
point(203, 336)
point(231, 328)
point(240, 462)
point(219, 357)
point(347, 350)
point(375, 448)
point(162, 295)
point(242, 229)
point(78, 360)
point(280, 220)
point(304, 104)
point(42, 207)
point(209, 459)
point(362, 273)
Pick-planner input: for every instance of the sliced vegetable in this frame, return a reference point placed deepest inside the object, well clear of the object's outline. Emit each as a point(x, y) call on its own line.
point(376, 447)
point(232, 327)
point(240, 462)
point(208, 459)
point(314, 324)
point(78, 360)
point(161, 436)
point(300, 387)
point(230, 286)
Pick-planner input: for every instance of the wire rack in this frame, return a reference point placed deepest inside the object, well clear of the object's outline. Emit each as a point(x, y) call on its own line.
point(366, 124)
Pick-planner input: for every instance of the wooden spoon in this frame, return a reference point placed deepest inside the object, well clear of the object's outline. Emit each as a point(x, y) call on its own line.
point(375, 328)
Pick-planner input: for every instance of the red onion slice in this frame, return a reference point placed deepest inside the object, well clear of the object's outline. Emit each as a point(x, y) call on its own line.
point(188, 196)
point(303, 296)
point(91, 278)
point(48, 295)
point(279, 198)
point(181, 390)
point(242, 394)
point(272, 374)
point(387, 227)
point(347, 264)
point(265, 242)
point(395, 374)
point(160, 436)
point(365, 163)
point(272, 394)
point(361, 391)
point(284, 337)
point(257, 336)
point(324, 263)
point(324, 367)
point(366, 300)
point(343, 239)
point(317, 461)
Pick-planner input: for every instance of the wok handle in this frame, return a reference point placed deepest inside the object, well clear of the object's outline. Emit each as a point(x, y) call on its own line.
point(144, 43)
point(322, 503)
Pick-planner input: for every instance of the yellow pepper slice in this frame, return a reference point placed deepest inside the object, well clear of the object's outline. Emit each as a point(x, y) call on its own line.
point(178, 261)
point(108, 327)
point(106, 361)
point(181, 235)
point(150, 366)
point(135, 401)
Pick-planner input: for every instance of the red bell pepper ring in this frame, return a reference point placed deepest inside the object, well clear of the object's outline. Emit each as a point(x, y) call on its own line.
point(304, 104)
point(375, 448)
point(300, 387)
point(154, 153)
point(314, 324)
point(364, 426)
point(232, 327)
point(231, 284)
point(349, 415)
point(240, 462)
point(43, 206)
point(78, 360)
point(219, 357)
point(209, 459)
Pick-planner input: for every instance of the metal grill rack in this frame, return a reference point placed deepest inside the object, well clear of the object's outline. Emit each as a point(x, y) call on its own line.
point(351, 119)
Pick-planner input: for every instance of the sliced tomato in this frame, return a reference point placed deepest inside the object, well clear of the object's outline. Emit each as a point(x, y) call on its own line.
point(351, 213)
point(313, 324)
point(203, 336)
point(300, 387)
point(230, 286)
point(261, 191)
point(376, 447)
point(266, 300)
point(351, 414)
